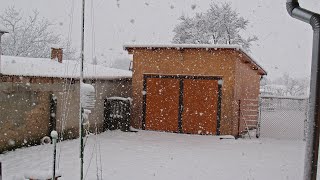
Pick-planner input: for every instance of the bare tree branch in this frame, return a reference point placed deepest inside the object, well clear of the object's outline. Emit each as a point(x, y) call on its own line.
point(31, 36)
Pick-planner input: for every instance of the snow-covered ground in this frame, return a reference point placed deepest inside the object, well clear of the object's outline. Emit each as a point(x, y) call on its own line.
point(153, 155)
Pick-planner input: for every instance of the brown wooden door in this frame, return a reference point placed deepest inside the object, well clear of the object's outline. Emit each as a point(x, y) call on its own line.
point(162, 104)
point(200, 101)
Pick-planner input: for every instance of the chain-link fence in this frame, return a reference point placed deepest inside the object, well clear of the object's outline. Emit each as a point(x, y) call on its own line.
point(283, 117)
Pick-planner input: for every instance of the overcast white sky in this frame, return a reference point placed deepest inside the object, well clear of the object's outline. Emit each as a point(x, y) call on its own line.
point(284, 43)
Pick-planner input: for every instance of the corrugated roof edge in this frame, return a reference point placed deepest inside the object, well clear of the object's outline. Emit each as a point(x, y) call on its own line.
point(202, 46)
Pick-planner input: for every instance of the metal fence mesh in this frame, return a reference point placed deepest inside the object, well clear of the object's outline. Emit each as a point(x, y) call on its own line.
point(283, 117)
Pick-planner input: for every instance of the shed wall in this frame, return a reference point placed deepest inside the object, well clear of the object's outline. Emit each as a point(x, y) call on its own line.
point(247, 87)
point(198, 62)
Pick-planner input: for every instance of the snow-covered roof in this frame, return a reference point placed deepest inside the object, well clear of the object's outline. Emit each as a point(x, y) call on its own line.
point(44, 67)
point(197, 46)
point(3, 29)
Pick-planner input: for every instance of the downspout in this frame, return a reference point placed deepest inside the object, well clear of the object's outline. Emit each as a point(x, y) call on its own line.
point(312, 146)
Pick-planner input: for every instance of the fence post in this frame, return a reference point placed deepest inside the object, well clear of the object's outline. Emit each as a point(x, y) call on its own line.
point(0, 171)
point(259, 117)
point(305, 132)
point(53, 111)
point(239, 116)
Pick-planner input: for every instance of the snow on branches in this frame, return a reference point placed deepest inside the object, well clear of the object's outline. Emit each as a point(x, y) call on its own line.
point(30, 36)
point(219, 25)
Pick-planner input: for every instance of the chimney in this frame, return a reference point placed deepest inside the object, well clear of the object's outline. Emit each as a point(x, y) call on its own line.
point(56, 53)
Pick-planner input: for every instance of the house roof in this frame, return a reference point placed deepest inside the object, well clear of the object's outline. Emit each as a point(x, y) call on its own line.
point(128, 47)
point(44, 67)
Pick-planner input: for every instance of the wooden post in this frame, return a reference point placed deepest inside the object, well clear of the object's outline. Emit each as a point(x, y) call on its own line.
point(239, 117)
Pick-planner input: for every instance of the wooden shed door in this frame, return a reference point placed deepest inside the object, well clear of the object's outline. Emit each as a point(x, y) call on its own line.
point(200, 101)
point(162, 104)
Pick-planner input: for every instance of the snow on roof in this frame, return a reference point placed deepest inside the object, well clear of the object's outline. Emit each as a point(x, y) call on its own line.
point(196, 46)
point(44, 67)
point(3, 29)
point(41, 174)
point(209, 46)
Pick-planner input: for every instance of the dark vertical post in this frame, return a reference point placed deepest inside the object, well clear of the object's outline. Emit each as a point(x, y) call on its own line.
point(0, 171)
point(53, 111)
point(105, 115)
point(144, 105)
point(220, 83)
point(180, 130)
point(81, 126)
point(239, 117)
point(259, 118)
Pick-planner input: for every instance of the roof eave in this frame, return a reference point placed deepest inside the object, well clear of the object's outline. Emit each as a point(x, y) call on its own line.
point(261, 71)
point(3, 32)
point(69, 77)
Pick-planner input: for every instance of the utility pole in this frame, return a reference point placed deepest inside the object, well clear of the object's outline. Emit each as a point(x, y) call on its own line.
point(81, 129)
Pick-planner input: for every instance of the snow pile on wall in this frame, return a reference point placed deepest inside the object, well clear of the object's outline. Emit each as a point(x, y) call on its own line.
point(41, 174)
point(87, 95)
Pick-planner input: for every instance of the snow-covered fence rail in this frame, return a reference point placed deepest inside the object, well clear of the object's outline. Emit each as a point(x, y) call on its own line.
point(283, 117)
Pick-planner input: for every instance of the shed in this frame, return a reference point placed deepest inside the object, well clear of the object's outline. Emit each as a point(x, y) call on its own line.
point(194, 89)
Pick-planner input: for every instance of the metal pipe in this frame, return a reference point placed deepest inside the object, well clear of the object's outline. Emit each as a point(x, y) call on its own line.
point(312, 146)
point(81, 128)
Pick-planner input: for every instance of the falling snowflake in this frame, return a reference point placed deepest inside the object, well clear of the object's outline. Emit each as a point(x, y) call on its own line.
point(11, 142)
point(193, 6)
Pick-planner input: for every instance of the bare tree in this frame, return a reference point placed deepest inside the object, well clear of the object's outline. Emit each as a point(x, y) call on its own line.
point(30, 36)
point(287, 86)
point(218, 25)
